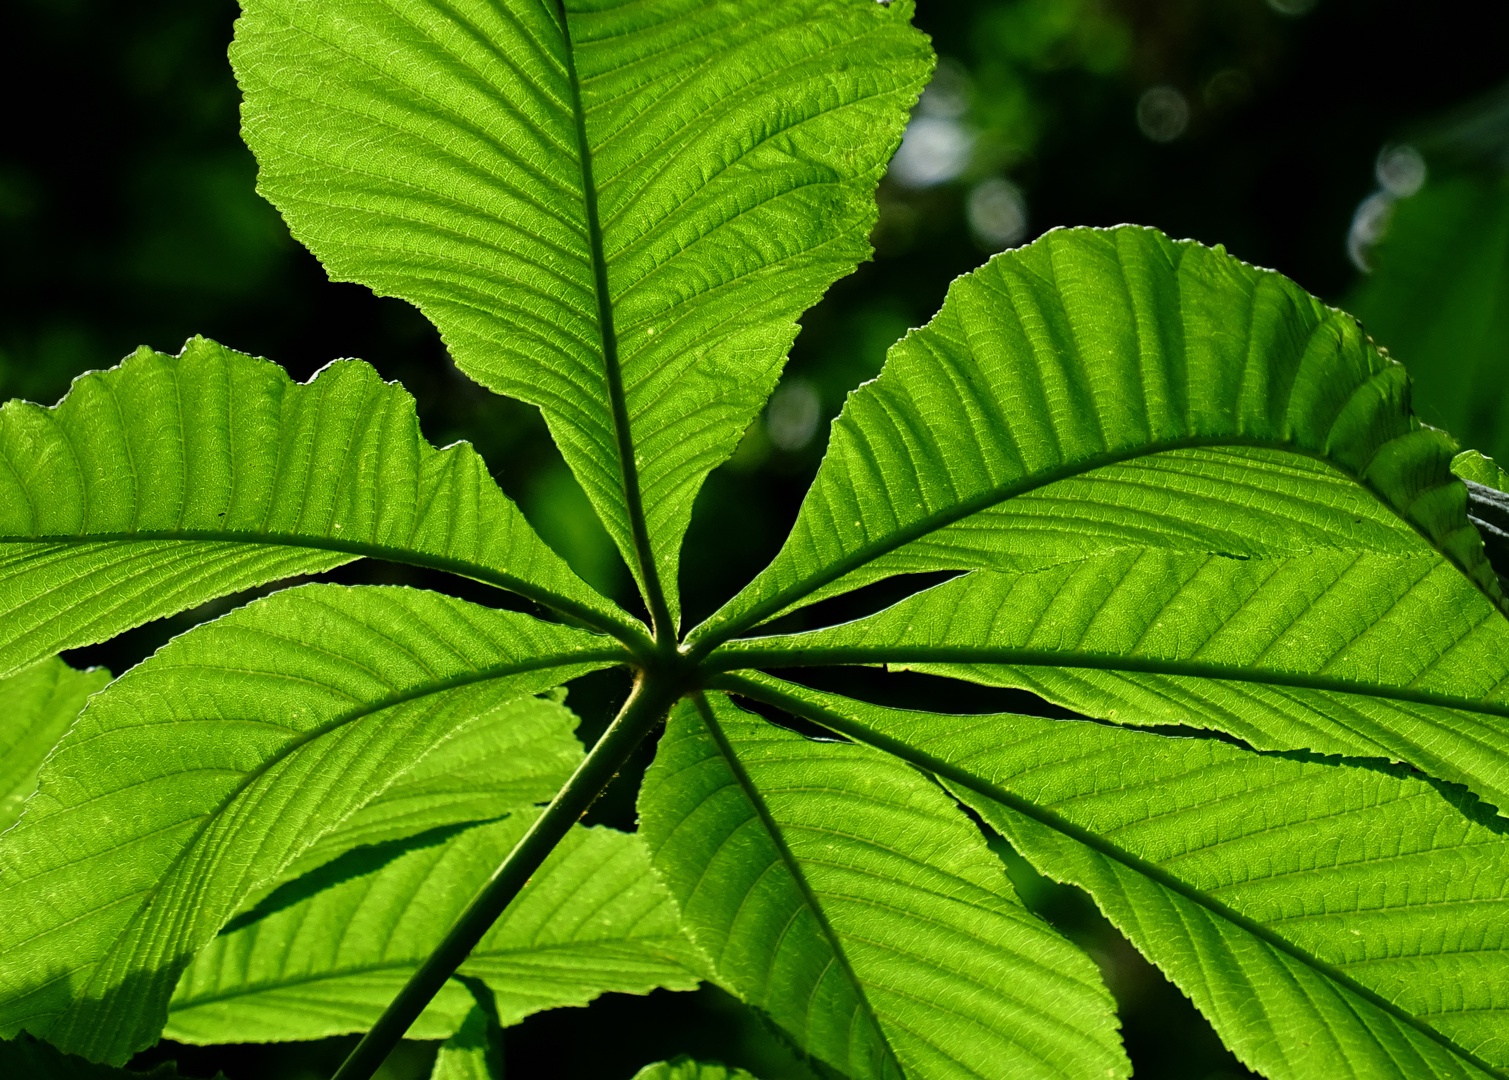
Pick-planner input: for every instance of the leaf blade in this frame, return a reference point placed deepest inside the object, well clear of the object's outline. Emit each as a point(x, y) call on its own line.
point(1087, 393)
point(850, 901)
point(613, 211)
point(196, 780)
point(1388, 1011)
point(329, 963)
point(37, 705)
point(1337, 653)
point(229, 475)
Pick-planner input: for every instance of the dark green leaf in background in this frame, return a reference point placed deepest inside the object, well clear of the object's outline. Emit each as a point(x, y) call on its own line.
point(685, 1068)
point(1438, 299)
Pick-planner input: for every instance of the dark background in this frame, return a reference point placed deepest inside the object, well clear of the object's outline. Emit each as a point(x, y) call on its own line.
point(128, 216)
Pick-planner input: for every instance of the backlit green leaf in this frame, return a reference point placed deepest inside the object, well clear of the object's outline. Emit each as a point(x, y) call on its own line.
point(616, 211)
point(1107, 389)
point(1332, 922)
point(36, 707)
point(593, 919)
point(475, 1051)
point(198, 777)
point(844, 894)
point(171, 480)
point(1353, 654)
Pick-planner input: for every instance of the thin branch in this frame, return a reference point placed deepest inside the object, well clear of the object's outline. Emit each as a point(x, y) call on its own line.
point(646, 707)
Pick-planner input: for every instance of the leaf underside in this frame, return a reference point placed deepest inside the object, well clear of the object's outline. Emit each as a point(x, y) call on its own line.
point(1088, 393)
point(1331, 921)
point(844, 895)
point(593, 919)
point(616, 212)
point(1339, 653)
point(192, 782)
point(36, 707)
point(171, 480)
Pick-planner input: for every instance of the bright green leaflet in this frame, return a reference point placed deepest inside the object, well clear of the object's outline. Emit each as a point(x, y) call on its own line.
point(1438, 297)
point(36, 707)
point(615, 212)
point(684, 1068)
point(843, 894)
point(1332, 922)
point(593, 919)
point(31, 1058)
point(171, 480)
point(505, 759)
point(198, 777)
point(1105, 389)
point(475, 1051)
point(1339, 653)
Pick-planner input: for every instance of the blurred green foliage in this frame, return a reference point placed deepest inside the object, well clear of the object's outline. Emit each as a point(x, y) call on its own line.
point(128, 216)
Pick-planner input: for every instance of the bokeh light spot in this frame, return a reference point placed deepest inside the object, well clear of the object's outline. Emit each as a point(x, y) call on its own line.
point(1162, 114)
point(791, 418)
point(997, 213)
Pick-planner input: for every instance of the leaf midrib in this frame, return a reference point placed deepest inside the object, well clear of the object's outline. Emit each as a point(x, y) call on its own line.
point(753, 657)
point(793, 867)
point(406, 964)
point(709, 635)
point(620, 626)
point(855, 729)
point(644, 554)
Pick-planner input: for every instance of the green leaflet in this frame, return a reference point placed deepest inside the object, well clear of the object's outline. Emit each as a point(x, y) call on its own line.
point(1105, 389)
point(199, 776)
point(593, 919)
point(843, 894)
point(170, 480)
point(1332, 922)
point(36, 707)
point(1337, 653)
point(1438, 298)
point(32, 1059)
point(684, 1068)
point(620, 223)
point(508, 758)
point(475, 1051)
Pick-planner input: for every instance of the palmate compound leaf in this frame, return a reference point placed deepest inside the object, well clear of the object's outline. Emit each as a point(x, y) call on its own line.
point(616, 212)
point(1107, 389)
point(170, 480)
point(593, 919)
point(844, 894)
point(36, 707)
point(201, 775)
point(1338, 653)
point(1332, 922)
